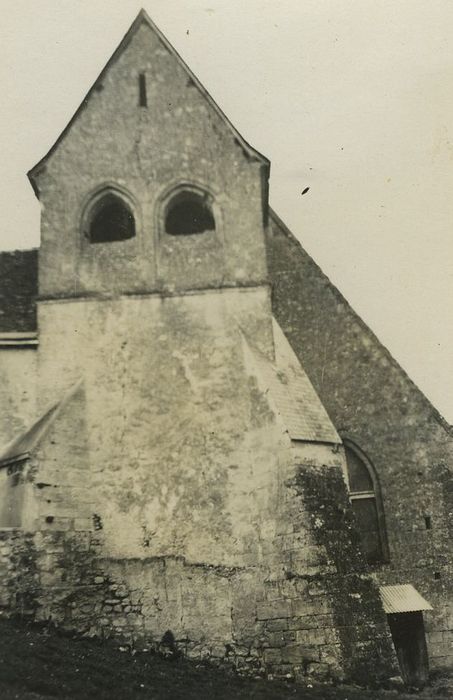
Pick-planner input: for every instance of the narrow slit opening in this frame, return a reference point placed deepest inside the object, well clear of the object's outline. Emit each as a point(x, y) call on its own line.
point(142, 90)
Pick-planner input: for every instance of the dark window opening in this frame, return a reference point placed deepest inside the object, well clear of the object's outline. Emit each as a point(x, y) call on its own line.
point(428, 522)
point(366, 516)
point(142, 90)
point(112, 221)
point(437, 575)
point(359, 476)
point(366, 505)
point(188, 213)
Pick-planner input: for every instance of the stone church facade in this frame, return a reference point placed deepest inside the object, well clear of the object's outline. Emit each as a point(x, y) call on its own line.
point(204, 448)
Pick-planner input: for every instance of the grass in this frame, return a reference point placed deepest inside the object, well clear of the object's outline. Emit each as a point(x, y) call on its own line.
point(38, 662)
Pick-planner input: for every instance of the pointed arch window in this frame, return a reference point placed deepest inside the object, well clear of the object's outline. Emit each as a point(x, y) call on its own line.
point(365, 496)
point(188, 212)
point(111, 219)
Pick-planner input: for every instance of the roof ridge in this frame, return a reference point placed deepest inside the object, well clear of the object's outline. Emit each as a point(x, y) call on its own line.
point(19, 250)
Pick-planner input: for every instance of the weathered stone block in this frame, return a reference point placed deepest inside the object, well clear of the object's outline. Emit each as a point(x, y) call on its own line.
point(297, 654)
point(277, 625)
point(273, 656)
point(276, 609)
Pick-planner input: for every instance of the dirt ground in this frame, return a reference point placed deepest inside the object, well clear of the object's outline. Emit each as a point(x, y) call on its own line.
point(37, 663)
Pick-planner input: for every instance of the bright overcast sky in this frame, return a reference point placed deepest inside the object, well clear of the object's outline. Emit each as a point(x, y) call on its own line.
point(352, 98)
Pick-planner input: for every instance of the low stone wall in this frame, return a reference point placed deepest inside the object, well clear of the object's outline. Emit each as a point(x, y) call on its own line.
point(309, 610)
point(46, 575)
point(287, 624)
point(229, 615)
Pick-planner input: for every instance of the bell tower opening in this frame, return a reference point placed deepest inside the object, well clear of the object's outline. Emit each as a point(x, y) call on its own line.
point(110, 220)
point(187, 213)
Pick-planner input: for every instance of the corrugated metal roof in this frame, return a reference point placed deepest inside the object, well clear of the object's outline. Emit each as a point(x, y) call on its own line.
point(402, 598)
point(292, 393)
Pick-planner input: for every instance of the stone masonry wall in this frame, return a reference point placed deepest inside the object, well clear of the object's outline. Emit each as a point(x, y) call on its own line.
point(308, 611)
point(371, 400)
point(43, 573)
point(18, 288)
point(209, 526)
point(337, 614)
point(177, 444)
point(18, 375)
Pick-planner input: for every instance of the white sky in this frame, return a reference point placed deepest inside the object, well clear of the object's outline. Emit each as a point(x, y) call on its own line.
point(352, 98)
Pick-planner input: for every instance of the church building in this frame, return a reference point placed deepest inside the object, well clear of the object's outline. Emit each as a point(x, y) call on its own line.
point(203, 449)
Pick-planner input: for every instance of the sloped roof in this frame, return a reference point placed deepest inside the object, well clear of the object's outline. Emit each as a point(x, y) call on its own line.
point(307, 305)
point(18, 290)
point(402, 598)
point(292, 393)
point(141, 18)
point(21, 447)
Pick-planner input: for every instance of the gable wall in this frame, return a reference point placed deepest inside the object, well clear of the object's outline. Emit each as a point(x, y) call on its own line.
point(177, 138)
point(372, 401)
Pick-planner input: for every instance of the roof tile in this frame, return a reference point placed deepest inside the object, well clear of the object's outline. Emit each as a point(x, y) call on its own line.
point(18, 290)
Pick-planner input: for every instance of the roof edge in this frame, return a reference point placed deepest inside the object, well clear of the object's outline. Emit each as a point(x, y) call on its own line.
point(434, 411)
point(262, 368)
point(402, 598)
point(22, 446)
point(141, 17)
